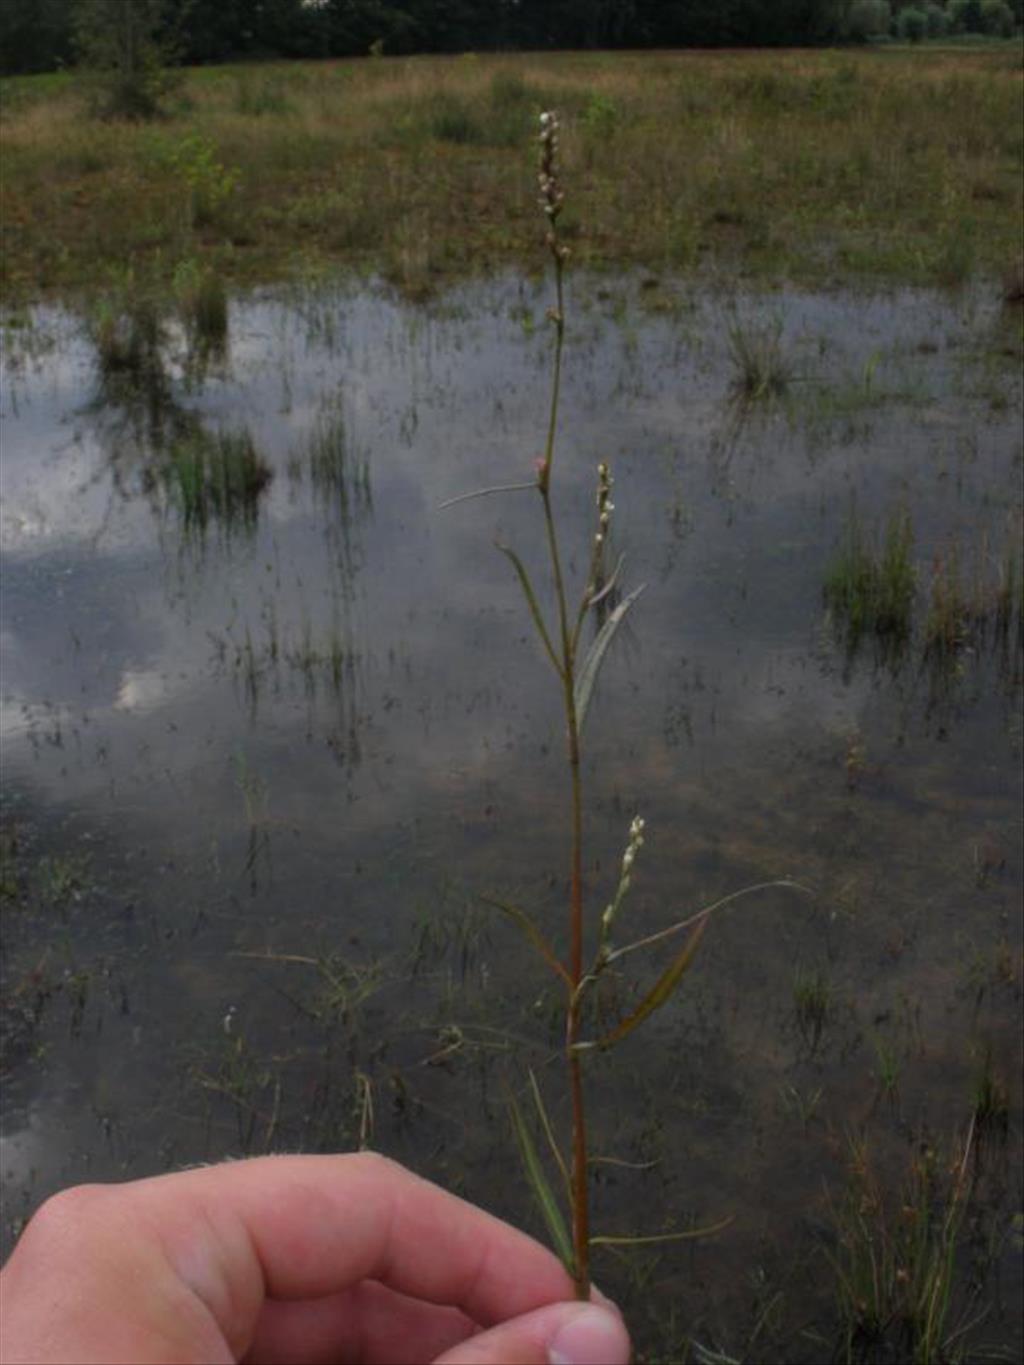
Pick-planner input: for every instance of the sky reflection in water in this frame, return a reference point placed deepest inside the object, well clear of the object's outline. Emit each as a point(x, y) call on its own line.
point(329, 731)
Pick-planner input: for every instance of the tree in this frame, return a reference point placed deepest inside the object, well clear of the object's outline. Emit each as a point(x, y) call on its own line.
point(125, 49)
point(997, 18)
point(911, 24)
point(35, 35)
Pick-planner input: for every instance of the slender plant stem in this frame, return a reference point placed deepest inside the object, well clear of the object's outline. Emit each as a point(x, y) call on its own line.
point(580, 1190)
point(579, 1167)
point(556, 378)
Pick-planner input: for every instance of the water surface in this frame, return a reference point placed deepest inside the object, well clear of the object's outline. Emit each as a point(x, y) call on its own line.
point(259, 768)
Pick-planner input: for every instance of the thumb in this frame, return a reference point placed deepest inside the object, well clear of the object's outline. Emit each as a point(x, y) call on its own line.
point(560, 1334)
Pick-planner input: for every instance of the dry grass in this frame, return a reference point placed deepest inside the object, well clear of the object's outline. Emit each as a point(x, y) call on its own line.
point(811, 166)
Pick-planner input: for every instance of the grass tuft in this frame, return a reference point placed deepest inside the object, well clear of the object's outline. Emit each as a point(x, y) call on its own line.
point(336, 473)
point(204, 303)
point(812, 1001)
point(127, 331)
point(762, 370)
point(871, 591)
point(216, 478)
point(895, 1259)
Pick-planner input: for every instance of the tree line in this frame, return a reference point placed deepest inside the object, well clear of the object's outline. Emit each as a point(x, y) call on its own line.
point(44, 35)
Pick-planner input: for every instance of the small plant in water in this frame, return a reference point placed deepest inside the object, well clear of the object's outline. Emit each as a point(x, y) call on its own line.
point(868, 590)
point(576, 662)
point(204, 304)
point(812, 999)
point(217, 478)
point(762, 369)
point(895, 1258)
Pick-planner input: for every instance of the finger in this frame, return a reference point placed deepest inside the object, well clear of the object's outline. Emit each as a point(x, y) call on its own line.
point(561, 1334)
point(291, 1227)
point(369, 1323)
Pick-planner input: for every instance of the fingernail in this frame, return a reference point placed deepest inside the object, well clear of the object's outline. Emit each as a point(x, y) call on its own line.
point(594, 1336)
point(598, 1296)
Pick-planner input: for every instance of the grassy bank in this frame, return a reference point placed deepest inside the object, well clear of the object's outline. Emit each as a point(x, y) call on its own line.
point(813, 166)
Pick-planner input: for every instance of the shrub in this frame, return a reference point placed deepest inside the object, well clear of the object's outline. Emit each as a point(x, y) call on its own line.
point(965, 16)
point(911, 25)
point(997, 18)
point(937, 20)
point(868, 19)
point(210, 184)
point(125, 59)
point(450, 119)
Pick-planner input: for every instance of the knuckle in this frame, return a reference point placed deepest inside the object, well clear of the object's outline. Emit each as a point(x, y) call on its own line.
point(65, 1215)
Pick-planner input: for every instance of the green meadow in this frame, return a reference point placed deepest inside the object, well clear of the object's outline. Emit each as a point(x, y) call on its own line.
point(815, 166)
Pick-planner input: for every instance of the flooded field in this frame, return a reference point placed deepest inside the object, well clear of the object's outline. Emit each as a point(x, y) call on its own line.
point(274, 723)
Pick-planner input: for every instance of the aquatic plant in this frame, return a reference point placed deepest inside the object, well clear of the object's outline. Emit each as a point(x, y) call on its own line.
point(204, 304)
point(895, 1260)
point(990, 1100)
point(577, 662)
point(336, 472)
point(126, 327)
point(868, 590)
point(812, 1000)
point(762, 369)
point(218, 477)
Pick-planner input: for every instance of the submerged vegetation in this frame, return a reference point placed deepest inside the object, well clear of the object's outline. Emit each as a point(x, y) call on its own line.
point(807, 165)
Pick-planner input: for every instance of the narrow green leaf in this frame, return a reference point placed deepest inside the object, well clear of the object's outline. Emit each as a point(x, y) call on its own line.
point(531, 602)
point(600, 596)
point(708, 910)
point(665, 1236)
point(661, 990)
point(532, 933)
point(552, 1214)
point(486, 493)
point(545, 1123)
point(587, 676)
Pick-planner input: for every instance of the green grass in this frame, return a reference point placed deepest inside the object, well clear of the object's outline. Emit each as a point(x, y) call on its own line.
point(204, 304)
point(966, 609)
point(895, 1259)
point(871, 590)
point(812, 1000)
point(338, 475)
point(126, 327)
point(813, 166)
point(216, 478)
point(761, 368)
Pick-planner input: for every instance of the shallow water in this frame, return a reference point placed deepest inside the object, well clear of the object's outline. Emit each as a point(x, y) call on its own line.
point(258, 772)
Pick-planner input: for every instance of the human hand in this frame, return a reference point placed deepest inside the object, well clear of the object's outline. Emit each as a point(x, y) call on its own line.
point(290, 1259)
